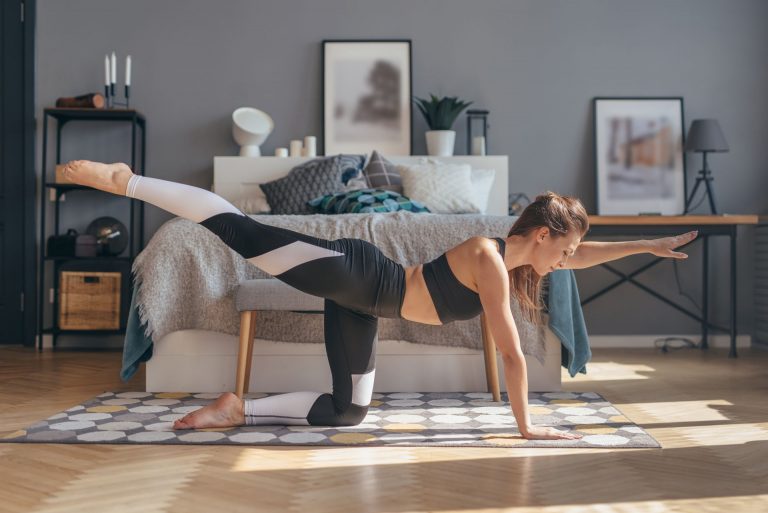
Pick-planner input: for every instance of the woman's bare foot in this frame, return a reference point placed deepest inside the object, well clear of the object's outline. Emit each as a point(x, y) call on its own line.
point(226, 411)
point(105, 177)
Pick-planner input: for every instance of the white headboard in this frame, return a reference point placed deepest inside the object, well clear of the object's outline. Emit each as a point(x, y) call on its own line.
point(234, 178)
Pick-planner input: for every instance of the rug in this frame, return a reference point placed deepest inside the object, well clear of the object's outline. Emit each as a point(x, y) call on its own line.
point(403, 419)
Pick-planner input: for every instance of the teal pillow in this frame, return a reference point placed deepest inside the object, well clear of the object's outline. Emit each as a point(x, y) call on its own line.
point(364, 201)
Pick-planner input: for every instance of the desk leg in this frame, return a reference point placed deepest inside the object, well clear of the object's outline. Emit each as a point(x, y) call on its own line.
point(732, 353)
point(705, 295)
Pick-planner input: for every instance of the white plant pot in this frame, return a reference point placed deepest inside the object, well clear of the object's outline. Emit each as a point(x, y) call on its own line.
point(440, 142)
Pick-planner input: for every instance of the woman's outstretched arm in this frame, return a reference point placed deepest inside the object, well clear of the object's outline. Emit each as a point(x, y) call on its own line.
point(592, 253)
point(493, 287)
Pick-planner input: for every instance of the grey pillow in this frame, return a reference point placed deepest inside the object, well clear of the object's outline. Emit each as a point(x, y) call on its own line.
point(289, 194)
point(383, 174)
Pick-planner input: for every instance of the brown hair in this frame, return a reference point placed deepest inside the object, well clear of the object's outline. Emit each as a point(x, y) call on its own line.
point(561, 214)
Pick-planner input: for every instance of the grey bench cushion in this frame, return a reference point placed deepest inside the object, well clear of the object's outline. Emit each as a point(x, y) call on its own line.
point(273, 294)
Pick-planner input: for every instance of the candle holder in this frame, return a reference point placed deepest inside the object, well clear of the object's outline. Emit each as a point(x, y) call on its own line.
point(482, 116)
point(111, 100)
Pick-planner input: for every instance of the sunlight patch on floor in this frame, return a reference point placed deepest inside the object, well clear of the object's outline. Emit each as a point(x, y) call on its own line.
point(683, 411)
point(725, 434)
point(609, 371)
point(748, 503)
point(257, 459)
point(253, 459)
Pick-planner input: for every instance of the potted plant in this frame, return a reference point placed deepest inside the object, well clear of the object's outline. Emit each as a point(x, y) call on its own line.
point(440, 114)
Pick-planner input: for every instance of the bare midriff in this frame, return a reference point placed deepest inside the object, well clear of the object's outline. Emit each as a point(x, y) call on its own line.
point(417, 303)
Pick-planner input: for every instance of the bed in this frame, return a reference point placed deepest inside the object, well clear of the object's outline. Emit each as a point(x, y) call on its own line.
point(195, 348)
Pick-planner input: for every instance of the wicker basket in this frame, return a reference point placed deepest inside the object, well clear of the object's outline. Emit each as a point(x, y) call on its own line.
point(89, 300)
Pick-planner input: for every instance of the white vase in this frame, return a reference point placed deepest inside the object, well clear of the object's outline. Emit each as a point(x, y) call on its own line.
point(440, 142)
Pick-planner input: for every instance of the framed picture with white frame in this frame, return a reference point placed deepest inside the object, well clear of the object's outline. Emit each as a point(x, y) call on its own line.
point(367, 96)
point(639, 157)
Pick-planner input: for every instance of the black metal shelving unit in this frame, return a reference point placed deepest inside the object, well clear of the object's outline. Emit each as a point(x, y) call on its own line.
point(62, 117)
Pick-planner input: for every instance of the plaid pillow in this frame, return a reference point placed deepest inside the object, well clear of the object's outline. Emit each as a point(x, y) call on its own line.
point(365, 201)
point(383, 174)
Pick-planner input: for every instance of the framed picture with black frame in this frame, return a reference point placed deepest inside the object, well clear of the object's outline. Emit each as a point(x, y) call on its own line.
point(640, 164)
point(367, 96)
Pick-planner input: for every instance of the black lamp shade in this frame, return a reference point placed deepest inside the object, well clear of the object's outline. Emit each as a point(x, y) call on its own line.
point(705, 135)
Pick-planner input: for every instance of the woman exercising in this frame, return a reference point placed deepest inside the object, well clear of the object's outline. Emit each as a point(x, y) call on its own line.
point(360, 284)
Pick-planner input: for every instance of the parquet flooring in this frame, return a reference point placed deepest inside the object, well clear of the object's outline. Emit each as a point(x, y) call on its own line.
point(709, 412)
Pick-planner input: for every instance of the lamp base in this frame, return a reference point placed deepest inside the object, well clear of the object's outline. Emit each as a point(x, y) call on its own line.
point(250, 150)
point(706, 178)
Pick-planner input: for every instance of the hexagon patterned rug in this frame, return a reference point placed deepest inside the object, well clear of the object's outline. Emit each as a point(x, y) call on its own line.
point(412, 419)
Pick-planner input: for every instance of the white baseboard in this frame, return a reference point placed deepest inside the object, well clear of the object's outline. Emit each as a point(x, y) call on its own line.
point(84, 342)
point(647, 341)
point(720, 341)
point(47, 341)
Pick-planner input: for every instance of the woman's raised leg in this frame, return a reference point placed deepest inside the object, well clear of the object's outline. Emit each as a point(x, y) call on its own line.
point(275, 250)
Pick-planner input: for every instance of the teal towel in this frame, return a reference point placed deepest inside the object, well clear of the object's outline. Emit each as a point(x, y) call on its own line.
point(137, 347)
point(566, 320)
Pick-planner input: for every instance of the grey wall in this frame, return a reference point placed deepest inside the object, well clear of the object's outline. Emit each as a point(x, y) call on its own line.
point(534, 64)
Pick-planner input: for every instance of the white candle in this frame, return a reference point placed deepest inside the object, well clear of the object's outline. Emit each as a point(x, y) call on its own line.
point(281, 152)
point(128, 70)
point(114, 68)
point(310, 146)
point(295, 148)
point(478, 145)
point(106, 70)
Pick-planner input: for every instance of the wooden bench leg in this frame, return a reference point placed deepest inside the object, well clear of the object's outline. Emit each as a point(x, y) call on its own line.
point(491, 368)
point(250, 352)
point(243, 354)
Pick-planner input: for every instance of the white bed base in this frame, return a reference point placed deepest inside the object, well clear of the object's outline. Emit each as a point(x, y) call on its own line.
point(204, 361)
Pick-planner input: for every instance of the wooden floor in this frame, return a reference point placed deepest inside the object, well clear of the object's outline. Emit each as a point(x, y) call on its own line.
point(709, 412)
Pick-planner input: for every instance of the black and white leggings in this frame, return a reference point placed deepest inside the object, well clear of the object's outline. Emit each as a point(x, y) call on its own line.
point(358, 282)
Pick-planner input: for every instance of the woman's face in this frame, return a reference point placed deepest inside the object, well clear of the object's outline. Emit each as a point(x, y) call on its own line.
point(551, 253)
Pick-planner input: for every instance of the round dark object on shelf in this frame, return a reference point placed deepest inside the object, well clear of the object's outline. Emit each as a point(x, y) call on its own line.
point(111, 235)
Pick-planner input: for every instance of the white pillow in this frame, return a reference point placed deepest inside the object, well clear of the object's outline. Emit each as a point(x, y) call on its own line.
point(253, 200)
point(482, 182)
point(443, 188)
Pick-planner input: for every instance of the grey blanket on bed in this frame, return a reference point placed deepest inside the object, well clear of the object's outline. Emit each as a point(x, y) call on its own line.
point(186, 277)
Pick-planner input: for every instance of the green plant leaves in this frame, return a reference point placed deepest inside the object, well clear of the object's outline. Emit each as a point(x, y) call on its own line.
point(440, 113)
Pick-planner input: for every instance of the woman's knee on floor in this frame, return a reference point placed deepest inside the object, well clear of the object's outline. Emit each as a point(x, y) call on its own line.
point(326, 412)
point(353, 415)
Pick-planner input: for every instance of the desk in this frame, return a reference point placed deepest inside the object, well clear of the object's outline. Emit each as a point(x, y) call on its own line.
point(707, 225)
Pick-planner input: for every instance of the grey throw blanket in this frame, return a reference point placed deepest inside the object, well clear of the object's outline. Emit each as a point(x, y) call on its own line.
point(187, 277)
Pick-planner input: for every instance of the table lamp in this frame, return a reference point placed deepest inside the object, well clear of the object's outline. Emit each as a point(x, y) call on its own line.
point(704, 137)
point(250, 128)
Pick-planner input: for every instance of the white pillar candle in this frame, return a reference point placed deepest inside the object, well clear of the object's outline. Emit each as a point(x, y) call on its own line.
point(106, 70)
point(310, 145)
point(113, 79)
point(281, 152)
point(478, 145)
point(295, 148)
point(128, 70)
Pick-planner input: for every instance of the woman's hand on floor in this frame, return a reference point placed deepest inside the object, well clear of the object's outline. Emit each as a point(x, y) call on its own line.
point(548, 433)
point(663, 247)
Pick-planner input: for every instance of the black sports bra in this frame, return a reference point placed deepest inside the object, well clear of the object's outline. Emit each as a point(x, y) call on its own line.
point(453, 300)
